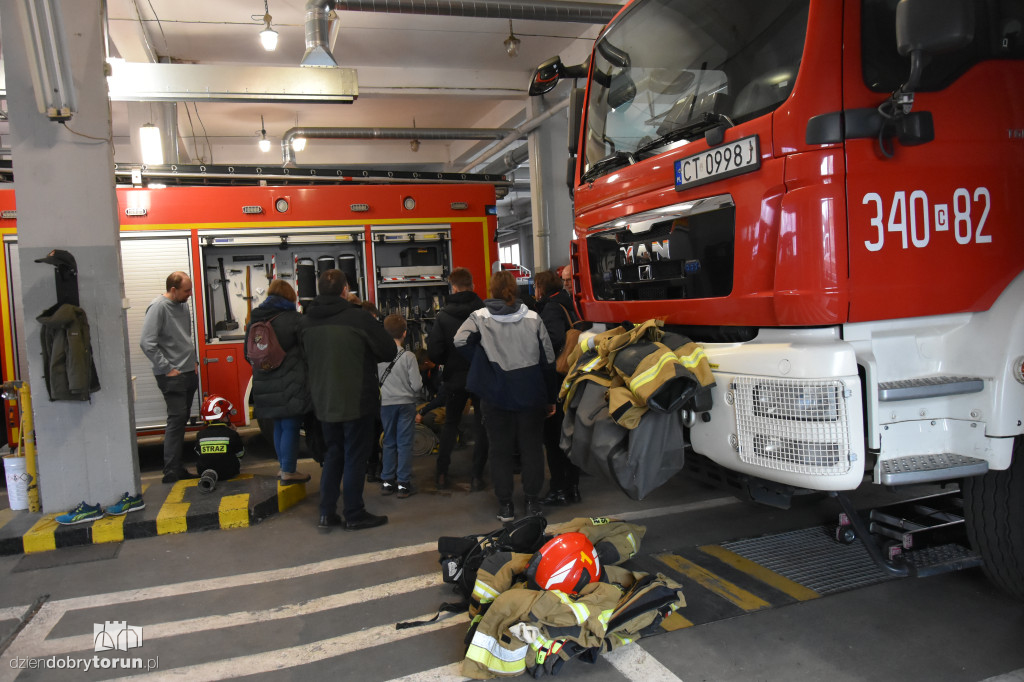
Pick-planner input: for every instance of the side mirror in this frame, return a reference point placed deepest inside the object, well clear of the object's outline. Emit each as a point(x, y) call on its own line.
point(547, 75)
point(925, 28)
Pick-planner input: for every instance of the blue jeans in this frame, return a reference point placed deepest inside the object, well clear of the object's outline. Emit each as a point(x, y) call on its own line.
point(286, 442)
point(348, 446)
point(179, 392)
point(399, 425)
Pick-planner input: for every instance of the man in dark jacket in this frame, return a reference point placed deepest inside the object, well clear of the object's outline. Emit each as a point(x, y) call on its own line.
point(558, 314)
point(342, 344)
point(462, 301)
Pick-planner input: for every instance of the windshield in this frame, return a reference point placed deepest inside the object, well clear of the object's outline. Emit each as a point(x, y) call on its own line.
point(667, 70)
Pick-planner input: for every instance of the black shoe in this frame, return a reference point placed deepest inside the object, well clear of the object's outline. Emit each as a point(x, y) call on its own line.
point(169, 478)
point(373, 477)
point(365, 520)
point(185, 474)
point(572, 494)
point(555, 498)
point(533, 507)
point(476, 485)
point(328, 521)
point(442, 481)
point(506, 512)
point(388, 487)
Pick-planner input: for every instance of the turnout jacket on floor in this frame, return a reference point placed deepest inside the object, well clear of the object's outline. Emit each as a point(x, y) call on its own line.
point(516, 628)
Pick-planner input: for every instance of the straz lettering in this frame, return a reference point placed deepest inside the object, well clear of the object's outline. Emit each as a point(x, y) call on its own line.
point(640, 253)
point(918, 220)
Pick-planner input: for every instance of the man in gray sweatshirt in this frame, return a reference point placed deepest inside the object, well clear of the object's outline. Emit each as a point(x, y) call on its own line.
point(167, 342)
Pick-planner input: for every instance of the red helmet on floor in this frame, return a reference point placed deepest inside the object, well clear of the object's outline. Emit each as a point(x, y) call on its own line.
point(216, 409)
point(567, 562)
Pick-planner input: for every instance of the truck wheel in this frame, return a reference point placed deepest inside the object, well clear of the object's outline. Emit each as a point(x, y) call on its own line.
point(994, 513)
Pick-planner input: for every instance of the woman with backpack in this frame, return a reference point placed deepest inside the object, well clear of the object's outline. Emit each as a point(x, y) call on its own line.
point(280, 391)
point(559, 316)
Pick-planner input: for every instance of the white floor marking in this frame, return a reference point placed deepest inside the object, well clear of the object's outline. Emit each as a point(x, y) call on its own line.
point(66, 645)
point(290, 657)
point(32, 639)
point(639, 666)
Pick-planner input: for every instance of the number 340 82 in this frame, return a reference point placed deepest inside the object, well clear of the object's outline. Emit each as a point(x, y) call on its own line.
point(914, 218)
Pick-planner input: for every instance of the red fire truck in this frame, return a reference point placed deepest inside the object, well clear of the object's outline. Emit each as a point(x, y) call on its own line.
point(827, 194)
point(397, 243)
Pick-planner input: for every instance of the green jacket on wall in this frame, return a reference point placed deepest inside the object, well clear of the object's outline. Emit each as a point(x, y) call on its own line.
point(70, 372)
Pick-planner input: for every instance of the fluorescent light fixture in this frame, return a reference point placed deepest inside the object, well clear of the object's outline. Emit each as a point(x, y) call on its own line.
point(298, 143)
point(152, 146)
point(50, 69)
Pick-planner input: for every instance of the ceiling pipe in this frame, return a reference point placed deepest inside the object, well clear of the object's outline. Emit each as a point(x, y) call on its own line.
point(288, 157)
point(319, 12)
point(517, 134)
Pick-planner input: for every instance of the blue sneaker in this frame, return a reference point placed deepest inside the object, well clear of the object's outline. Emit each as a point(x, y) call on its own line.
point(127, 503)
point(83, 513)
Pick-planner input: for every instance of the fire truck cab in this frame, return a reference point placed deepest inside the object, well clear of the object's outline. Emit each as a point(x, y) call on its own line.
point(827, 196)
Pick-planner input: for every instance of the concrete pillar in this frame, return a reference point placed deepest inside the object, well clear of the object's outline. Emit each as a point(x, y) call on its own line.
point(64, 188)
point(551, 204)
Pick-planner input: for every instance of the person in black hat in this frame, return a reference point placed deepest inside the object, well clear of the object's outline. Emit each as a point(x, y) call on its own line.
point(167, 342)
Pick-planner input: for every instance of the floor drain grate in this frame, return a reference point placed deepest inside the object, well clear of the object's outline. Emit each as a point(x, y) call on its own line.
point(812, 558)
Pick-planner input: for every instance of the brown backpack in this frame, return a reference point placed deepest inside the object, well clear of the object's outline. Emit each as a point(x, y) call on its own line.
point(572, 337)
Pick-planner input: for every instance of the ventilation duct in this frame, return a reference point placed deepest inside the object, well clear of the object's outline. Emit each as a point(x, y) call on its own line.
point(318, 13)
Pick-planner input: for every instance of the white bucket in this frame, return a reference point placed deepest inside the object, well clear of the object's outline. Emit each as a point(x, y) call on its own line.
point(17, 481)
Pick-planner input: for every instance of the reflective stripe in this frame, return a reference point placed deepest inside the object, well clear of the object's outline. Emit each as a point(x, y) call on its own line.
point(605, 617)
point(648, 375)
point(693, 359)
point(484, 593)
point(486, 651)
point(632, 543)
point(579, 611)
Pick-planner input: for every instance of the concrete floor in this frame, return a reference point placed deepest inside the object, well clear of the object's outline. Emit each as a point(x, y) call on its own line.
point(280, 601)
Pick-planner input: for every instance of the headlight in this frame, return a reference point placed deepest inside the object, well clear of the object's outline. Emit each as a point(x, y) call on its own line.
point(803, 402)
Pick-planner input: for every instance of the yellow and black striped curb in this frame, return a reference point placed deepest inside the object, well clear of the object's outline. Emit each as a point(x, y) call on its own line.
point(239, 502)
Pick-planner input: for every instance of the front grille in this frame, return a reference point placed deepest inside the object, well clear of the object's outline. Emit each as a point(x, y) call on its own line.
point(799, 426)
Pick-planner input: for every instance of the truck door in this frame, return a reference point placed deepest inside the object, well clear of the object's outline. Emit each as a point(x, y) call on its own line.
point(931, 230)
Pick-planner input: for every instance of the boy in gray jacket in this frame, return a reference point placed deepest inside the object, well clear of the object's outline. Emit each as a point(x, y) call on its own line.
point(400, 389)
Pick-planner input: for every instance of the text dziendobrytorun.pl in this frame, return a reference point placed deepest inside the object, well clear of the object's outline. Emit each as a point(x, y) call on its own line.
point(85, 664)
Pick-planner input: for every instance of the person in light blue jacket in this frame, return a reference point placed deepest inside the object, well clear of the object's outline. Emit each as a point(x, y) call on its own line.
point(401, 388)
point(512, 369)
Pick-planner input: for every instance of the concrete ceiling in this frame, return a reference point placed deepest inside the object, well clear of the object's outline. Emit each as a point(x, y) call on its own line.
point(427, 71)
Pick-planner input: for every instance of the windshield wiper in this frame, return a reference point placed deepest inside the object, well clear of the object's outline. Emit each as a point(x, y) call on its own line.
point(615, 160)
point(707, 121)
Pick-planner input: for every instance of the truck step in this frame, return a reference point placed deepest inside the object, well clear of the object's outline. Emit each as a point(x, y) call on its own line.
point(925, 468)
point(928, 387)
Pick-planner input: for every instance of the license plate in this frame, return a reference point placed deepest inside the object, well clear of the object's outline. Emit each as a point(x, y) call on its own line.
point(736, 157)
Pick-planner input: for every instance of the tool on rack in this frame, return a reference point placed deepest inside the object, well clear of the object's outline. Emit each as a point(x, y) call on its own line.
point(229, 322)
point(248, 295)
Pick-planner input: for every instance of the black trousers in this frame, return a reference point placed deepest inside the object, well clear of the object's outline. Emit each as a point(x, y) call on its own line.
point(454, 405)
point(564, 473)
point(507, 433)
